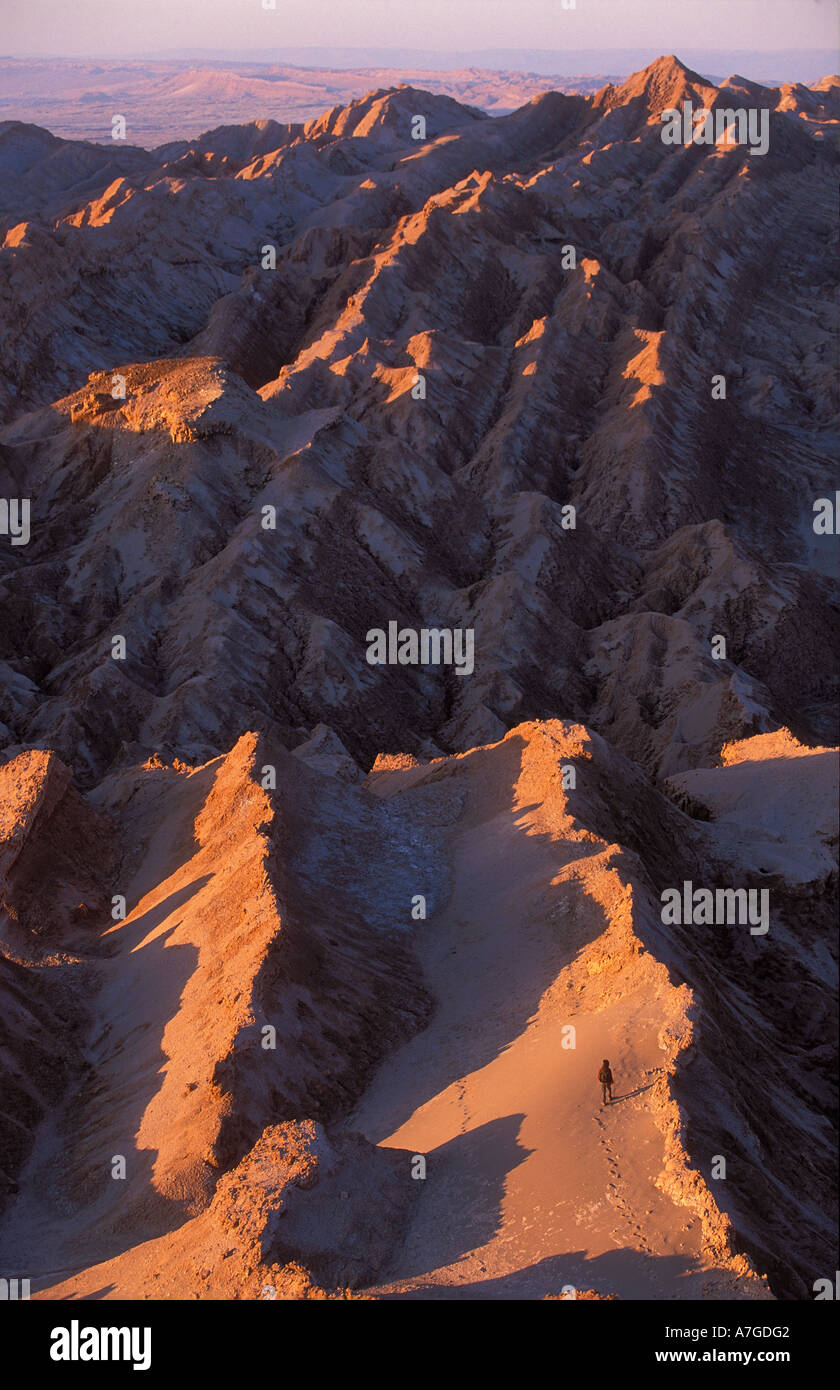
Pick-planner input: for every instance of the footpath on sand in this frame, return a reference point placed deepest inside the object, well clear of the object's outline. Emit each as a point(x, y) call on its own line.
point(531, 1184)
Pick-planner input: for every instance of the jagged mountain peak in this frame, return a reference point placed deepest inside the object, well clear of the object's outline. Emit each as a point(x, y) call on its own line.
point(392, 110)
point(661, 85)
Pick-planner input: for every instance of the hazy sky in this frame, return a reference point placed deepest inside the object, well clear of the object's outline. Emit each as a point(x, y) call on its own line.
point(127, 26)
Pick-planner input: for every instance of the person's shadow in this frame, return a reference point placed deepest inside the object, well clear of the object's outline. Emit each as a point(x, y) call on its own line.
point(640, 1090)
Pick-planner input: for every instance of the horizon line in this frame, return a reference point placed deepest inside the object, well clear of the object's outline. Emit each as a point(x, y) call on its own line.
point(364, 48)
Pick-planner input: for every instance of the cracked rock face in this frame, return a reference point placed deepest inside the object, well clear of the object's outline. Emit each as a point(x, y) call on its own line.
point(545, 387)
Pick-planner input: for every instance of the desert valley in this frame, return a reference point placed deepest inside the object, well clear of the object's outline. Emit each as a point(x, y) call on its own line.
point(308, 961)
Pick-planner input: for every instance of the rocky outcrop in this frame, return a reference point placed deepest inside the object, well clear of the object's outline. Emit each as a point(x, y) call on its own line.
point(54, 854)
point(479, 388)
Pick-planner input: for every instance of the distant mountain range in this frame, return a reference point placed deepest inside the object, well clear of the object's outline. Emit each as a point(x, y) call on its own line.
point(180, 94)
point(783, 65)
point(174, 99)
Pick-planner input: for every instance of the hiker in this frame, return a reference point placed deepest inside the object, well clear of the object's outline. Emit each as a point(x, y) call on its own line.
point(605, 1077)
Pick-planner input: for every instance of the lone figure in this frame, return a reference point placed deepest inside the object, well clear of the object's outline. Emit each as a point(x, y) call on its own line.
point(605, 1077)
